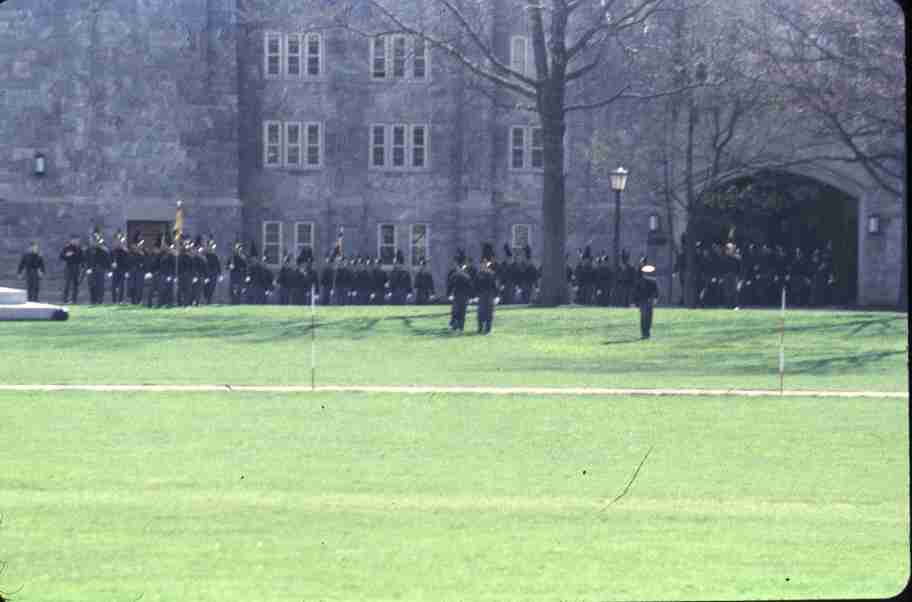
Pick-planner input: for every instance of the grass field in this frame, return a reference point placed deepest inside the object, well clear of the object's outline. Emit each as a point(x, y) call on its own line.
point(574, 346)
point(357, 496)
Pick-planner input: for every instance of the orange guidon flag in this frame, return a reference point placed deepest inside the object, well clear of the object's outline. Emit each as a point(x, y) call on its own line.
point(179, 221)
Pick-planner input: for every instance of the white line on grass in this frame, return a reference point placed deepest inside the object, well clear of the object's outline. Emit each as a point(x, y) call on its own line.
point(448, 389)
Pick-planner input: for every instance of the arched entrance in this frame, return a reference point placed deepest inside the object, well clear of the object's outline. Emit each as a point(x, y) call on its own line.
point(778, 208)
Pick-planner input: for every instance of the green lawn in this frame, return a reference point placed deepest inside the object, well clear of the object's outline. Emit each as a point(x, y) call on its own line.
point(106, 497)
point(571, 346)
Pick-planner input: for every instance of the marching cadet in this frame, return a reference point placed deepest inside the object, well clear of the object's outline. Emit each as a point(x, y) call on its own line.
point(200, 271)
point(343, 281)
point(604, 278)
point(213, 271)
point(486, 290)
point(424, 284)
point(286, 280)
point(306, 280)
point(32, 263)
point(528, 276)
point(185, 274)
point(74, 258)
point(98, 262)
point(237, 274)
point(152, 266)
point(166, 273)
point(267, 278)
point(120, 267)
point(506, 275)
point(137, 273)
point(400, 281)
point(378, 281)
point(645, 295)
point(327, 278)
point(364, 281)
point(459, 285)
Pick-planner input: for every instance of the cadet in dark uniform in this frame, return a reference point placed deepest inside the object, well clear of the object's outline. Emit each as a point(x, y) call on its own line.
point(213, 271)
point(166, 274)
point(286, 280)
point(379, 281)
point(424, 284)
point(267, 278)
point(33, 265)
point(327, 278)
point(152, 266)
point(645, 294)
point(506, 275)
point(98, 262)
point(400, 281)
point(200, 271)
point(185, 274)
point(73, 257)
point(120, 267)
point(237, 274)
point(604, 281)
point(486, 291)
point(306, 280)
point(137, 273)
point(460, 286)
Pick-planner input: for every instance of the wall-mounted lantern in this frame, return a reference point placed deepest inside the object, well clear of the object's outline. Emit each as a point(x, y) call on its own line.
point(654, 223)
point(874, 224)
point(40, 164)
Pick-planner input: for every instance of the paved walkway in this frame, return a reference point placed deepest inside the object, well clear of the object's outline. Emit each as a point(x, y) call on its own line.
point(594, 391)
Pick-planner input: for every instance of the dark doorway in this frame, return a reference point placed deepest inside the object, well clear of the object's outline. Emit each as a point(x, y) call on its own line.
point(148, 231)
point(793, 211)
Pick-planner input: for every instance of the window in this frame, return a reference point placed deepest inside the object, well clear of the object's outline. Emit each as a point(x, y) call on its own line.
point(527, 148)
point(272, 242)
point(519, 54)
point(273, 54)
point(386, 244)
point(378, 146)
point(293, 55)
point(378, 58)
point(399, 146)
point(314, 145)
point(304, 237)
point(399, 57)
point(314, 54)
point(272, 143)
point(420, 244)
point(521, 236)
point(292, 145)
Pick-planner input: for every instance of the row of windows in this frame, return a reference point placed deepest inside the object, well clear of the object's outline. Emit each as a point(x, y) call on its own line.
point(392, 57)
point(419, 236)
point(397, 146)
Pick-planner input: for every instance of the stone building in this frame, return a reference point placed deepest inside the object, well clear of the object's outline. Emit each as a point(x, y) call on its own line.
point(274, 128)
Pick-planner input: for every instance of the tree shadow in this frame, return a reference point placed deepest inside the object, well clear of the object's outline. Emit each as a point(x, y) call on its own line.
point(622, 341)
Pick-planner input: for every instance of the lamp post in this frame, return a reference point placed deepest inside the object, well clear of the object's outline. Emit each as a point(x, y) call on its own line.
point(618, 183)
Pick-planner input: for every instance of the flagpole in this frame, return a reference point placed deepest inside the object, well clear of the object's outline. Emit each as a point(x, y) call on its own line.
point(313, 338)
point(782, 345)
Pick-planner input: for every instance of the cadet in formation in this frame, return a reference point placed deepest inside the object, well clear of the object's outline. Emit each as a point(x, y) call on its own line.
point(645, 295)
point(32, 267)
point(486, 290)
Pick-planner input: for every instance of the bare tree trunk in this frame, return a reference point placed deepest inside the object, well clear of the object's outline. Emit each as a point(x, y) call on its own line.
point(690, 282)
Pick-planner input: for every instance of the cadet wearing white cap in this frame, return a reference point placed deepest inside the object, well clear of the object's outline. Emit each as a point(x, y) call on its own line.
point(645, 294)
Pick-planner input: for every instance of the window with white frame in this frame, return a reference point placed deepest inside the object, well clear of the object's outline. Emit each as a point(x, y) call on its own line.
point(304, 237)
point(399, 146)
point(527, 148)
point(520, 237)
point(399, 57)
point(273, 54)
point(272, 144)
point(293, 55)
point(519, 54)
point(272, 242)
point(386, 243)
point(420, 243)
point(293, 144)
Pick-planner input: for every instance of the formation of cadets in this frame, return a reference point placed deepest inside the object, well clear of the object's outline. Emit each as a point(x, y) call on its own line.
point(728, 276)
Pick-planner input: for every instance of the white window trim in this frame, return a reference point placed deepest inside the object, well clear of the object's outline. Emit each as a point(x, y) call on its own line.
point(266, 37)
point(305, 53)
point(427, 61)
point(427, 243)
point(263, 246)
point(373, 56)
point(520, 248)
point(298, 244)
point(406, 132)
point(286, 62)
point(513, 40)
point(266, 144)
point(391, 54)
point(409, 146)
point(286, 145)
point(527, 150)
point(380, 244)
point(305, 144)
